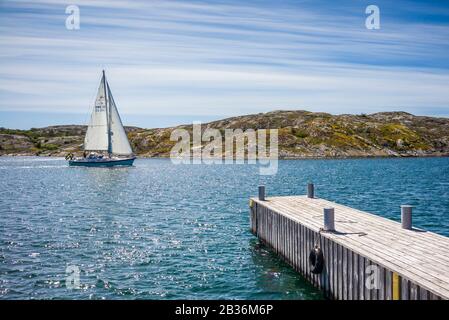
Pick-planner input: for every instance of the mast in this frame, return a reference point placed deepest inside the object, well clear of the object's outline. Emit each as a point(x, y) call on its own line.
point(108, 115)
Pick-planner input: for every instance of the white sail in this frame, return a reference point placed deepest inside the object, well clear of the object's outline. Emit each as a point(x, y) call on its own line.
point(97, 130)
point(119, 140)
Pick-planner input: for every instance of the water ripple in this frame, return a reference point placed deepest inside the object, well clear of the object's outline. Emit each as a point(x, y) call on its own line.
point(160, 231)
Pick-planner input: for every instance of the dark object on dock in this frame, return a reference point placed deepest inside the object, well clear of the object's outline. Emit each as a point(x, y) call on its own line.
point(262, 193)
point(406, 217)
point(329, 219)
point(316, 260)
point(365, 257)
point(310, 190)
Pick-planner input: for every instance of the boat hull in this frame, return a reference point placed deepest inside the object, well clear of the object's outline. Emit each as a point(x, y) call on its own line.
point(101, 162)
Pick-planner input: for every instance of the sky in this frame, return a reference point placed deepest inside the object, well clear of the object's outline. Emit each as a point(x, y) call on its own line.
point(173, 62)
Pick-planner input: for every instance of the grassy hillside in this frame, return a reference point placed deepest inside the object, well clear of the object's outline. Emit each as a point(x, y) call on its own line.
point(302, 134)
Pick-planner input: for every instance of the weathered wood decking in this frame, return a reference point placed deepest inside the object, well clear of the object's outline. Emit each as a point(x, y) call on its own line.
point(409, 264)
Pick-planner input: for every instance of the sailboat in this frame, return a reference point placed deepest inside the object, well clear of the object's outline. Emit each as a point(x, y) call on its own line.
point(105, 143)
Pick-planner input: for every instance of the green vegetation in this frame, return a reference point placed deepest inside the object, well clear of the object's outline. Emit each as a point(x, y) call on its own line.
point(299, 133)
point(49, 146)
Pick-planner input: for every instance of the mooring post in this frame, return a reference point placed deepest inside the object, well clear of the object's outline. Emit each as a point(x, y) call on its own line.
point(329, 219)
point(310, 190)
point(406, 217)
point(262, 193)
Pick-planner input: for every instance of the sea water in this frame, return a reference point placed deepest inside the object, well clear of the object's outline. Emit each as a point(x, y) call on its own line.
point(163, 231)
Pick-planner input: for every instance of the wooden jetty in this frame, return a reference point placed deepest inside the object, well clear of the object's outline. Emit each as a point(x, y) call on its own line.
point(366, 257)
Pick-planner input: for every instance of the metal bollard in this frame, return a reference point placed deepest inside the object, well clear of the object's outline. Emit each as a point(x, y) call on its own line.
point(329, 219)
point(406, 217)
point(262, 193)
point(310, 190)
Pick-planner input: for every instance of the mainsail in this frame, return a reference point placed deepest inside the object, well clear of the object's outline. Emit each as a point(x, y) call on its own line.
point(97, 131)
point(105, 131)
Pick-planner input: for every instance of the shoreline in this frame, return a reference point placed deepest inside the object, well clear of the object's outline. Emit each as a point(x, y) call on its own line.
point(280, 158)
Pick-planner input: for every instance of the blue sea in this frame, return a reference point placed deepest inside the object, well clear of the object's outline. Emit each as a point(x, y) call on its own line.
point(163, 231)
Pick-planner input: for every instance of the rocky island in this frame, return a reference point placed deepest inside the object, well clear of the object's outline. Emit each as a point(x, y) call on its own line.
point(302, 134)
